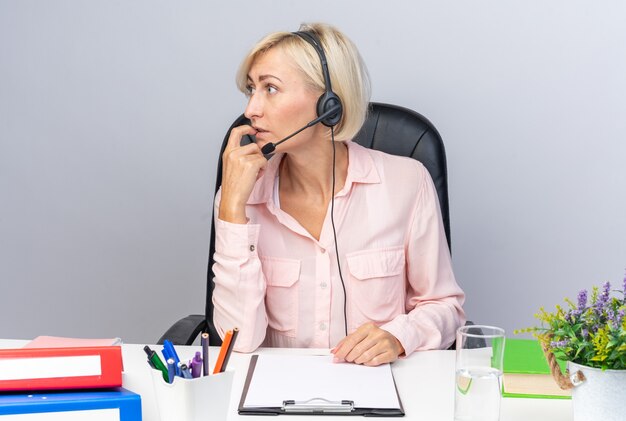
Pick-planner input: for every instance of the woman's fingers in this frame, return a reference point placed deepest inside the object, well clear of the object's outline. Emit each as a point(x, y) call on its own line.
point(234, 140)
point(241, 166)
point(368, 345)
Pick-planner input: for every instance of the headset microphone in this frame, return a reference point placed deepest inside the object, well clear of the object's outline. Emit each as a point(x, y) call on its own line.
point(270, 147)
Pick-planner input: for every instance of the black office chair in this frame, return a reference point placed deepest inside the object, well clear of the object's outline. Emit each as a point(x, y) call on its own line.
point(388, 128)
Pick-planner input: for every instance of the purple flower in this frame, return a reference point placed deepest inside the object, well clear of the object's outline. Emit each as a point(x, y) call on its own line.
point(584, 332)
point(615, 319)
point(606, 289)
point(582, 298)
point(618, 320)
point(610, 314)
point(603, 299)
point(559, 344)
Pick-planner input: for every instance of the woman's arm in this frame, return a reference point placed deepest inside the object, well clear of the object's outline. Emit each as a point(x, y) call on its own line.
point(434, 299)
point(239, 294)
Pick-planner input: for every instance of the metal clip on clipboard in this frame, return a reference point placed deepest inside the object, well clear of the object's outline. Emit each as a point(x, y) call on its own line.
point(317, 405)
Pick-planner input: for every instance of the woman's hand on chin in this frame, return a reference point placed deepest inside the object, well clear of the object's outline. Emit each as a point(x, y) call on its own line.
point(241, 167)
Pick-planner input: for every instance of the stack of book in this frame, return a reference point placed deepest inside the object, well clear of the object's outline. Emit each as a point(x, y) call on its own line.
point(526, 372)
point(66, 379)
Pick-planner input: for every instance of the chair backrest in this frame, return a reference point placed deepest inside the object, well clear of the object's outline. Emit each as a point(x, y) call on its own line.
point(388, 128)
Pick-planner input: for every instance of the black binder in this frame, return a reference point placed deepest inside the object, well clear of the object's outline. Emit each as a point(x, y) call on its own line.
point(314, 405)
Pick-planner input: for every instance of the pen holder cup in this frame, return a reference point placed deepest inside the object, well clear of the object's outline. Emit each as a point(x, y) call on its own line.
point(202, 398)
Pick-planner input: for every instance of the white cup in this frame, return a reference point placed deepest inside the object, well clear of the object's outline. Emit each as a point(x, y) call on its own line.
point(200, 399)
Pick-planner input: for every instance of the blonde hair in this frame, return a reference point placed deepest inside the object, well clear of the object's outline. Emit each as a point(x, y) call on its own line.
point(348, 74)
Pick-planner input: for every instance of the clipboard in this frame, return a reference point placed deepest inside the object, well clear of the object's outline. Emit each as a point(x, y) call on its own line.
point(314, 385)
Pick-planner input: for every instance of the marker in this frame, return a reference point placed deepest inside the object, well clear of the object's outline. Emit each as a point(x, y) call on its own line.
point(204, 340)
point(166, 355)
point(196, 365)
point(156, 362)
point(171, 370)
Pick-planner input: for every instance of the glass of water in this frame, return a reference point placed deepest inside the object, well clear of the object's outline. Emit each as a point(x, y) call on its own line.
point(478, 385)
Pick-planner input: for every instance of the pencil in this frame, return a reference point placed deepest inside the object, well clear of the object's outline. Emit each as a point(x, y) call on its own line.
point(205, 353)
point(229, 351)
point(222, 355)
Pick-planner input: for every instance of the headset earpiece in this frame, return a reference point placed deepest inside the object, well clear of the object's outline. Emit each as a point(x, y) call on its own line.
point(325, 103)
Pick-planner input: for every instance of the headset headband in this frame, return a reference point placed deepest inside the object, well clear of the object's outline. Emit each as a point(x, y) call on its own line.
point(329, 101)
point(314, 41)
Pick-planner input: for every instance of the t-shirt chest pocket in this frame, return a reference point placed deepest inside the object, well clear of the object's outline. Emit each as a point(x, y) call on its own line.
point(281, 297)
point(377, 285)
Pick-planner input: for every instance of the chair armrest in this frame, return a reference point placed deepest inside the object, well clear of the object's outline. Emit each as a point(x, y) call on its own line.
point(185, 331)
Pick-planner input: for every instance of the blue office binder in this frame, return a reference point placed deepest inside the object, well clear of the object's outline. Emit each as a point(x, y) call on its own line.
point(128, 403)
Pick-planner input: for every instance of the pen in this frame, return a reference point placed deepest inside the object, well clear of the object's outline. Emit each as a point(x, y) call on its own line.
point(196, 365)
point(229, 351)
point(171, 351)
point(184, 371)
point(204, 340)
point(156, 361)
point(171, 370)
point(167, 355)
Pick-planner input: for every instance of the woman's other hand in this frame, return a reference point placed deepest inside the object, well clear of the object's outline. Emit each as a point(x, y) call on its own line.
point(368, 345)
point(241, 167)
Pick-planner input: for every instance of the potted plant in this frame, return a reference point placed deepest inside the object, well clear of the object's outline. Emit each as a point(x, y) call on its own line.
point(591, 336)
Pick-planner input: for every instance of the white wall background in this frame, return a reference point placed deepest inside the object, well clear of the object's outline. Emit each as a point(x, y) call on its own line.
point(112, 112)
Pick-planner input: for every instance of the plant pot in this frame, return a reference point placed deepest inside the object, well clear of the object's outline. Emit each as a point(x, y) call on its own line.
point(601, 396)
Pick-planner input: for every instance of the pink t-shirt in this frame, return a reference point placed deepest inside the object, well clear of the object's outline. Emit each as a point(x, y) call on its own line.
point(281, 287)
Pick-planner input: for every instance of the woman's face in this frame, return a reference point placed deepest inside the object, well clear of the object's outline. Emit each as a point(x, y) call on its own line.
point(279, 101)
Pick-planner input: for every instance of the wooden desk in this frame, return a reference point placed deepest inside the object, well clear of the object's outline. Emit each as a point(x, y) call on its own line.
point(425, 382)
